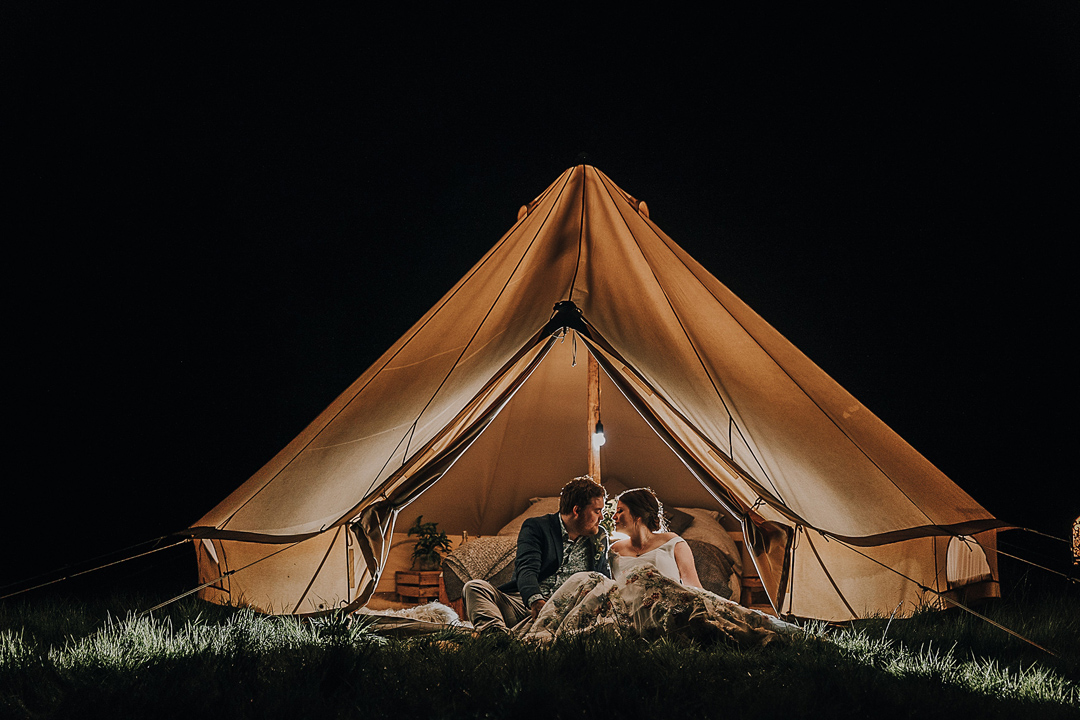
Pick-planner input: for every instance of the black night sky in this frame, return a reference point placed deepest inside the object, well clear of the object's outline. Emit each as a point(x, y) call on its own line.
point(217, 223)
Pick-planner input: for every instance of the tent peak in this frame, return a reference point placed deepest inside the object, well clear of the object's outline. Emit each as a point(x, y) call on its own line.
point(565, 315)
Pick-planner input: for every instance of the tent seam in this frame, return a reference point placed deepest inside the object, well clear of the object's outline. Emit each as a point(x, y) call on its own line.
point(798, 385)
point(465, 348)
point(697, 354)
point(329, 549)
point(490, 254)
point(828, 575)
point(581, 235)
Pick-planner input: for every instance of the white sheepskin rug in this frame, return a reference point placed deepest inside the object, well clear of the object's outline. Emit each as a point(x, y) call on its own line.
point(434, 612)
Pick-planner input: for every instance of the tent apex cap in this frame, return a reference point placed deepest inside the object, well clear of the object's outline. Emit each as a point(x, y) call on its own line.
point(567, 315)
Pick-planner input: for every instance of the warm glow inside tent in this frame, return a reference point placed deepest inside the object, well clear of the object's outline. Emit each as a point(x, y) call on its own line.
point(484, 403)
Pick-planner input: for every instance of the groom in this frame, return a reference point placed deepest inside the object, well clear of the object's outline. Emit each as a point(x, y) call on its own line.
point(550, 549)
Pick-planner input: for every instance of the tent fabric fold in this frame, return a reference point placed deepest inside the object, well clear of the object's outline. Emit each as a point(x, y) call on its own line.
point(481, 405)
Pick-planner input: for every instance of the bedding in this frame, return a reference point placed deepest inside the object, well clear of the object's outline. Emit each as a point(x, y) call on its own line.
point(432, 612)
point(483, 558)
point(415, 621)
point(646, 602)
point(718, 560)
point(537, 506)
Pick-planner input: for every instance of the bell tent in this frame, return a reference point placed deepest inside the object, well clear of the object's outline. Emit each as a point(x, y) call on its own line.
point(485, 402)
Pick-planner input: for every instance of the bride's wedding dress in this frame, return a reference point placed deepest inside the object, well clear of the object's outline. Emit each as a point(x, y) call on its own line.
point(646, 596)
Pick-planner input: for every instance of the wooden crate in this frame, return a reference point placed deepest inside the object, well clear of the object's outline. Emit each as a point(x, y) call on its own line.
point(419, 585)
point(753, 590)
point(754, 596)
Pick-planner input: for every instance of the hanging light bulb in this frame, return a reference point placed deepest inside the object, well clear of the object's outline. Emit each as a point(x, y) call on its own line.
point(598, 438)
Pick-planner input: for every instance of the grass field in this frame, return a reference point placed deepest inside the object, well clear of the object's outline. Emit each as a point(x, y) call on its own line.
point(88, 650)
point(93, 656)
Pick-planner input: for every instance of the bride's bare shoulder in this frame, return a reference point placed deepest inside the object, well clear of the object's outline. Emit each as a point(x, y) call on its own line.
point(619, 546)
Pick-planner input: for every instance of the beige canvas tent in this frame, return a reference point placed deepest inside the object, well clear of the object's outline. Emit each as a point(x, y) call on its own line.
point(482, 404)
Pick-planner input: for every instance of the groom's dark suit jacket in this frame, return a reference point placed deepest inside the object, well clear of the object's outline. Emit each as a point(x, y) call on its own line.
point(539, 553)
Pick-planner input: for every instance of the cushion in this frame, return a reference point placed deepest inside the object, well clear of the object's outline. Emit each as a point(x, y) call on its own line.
point(537, 506)
point(706, 528)
point(677, 520)
point(482, 558)
point(702, 514)
point(714, 570)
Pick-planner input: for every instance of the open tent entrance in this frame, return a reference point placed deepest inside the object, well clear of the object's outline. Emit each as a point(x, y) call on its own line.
point(540, 440)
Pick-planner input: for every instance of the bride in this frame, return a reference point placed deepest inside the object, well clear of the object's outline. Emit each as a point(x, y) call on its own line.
point(639, 515)
point(655, 590)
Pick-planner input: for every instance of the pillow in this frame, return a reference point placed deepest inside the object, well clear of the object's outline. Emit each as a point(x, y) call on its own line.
point(706, 528)
point(714, 570)
point(537, 506)
point(483, 558)
point(677, 520)
point(707, 516)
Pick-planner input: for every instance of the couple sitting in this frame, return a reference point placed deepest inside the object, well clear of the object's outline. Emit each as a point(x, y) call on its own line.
point(568, 579)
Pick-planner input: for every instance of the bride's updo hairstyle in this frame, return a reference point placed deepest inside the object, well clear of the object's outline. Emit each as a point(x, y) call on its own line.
point(643, 505)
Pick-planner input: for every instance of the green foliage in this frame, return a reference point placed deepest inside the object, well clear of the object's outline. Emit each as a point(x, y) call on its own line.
point(608, 521)
point(81, 660)
point(431, 543)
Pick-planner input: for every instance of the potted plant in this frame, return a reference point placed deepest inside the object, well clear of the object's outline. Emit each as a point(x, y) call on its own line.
point(431, 543)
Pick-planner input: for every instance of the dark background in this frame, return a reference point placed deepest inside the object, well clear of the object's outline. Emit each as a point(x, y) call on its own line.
point(216, 223)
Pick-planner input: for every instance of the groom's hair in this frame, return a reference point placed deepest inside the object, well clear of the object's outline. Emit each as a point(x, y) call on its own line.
point(579, 492)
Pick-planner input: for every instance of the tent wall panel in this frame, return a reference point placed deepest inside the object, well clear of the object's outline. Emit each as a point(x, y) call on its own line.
point(306, 577)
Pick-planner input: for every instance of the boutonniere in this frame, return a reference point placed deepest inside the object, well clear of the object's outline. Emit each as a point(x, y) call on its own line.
point(607, 528)
point(607, 522)
point(599, 543)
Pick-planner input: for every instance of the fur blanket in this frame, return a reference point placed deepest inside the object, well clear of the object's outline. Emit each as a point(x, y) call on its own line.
point(433, 612)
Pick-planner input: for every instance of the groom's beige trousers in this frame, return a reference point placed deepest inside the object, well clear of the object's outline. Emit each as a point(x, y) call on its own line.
point(489, 608)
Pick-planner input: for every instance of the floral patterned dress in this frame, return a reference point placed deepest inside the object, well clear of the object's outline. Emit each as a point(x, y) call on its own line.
point(646, 598)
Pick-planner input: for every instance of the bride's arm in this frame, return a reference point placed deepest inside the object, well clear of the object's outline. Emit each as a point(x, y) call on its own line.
point(684, 558)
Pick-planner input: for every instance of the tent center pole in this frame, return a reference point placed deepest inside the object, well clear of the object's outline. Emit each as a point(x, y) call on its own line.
point(593, 418)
